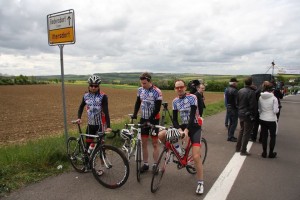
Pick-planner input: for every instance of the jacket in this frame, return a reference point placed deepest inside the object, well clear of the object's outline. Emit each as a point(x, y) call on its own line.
point(268, 106)
point(231, 95)
point(247, 103)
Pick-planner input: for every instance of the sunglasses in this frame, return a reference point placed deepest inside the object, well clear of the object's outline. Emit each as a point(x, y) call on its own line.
point(179, 87)
point(95, 86)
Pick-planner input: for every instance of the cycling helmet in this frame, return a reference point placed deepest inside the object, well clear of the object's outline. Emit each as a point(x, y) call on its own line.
point(94, 79)
point(172, 135)
point(126, 134)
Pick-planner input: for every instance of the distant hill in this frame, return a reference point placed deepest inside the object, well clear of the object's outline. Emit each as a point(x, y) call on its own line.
point(133, 77)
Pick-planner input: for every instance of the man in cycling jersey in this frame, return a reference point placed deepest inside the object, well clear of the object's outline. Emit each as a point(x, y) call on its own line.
point(96, 103)
point(186, 105)
point(149, 98)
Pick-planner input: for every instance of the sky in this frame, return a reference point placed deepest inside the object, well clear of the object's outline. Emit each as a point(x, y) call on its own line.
point(238, 37)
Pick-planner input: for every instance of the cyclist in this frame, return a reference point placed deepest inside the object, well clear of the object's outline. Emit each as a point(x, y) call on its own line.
point(186, 105)
point(149, 98)
point(96, 103)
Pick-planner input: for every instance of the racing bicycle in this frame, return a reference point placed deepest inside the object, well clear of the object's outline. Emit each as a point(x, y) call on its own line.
point(108, 163)
point(132, 145)
point(171, 155)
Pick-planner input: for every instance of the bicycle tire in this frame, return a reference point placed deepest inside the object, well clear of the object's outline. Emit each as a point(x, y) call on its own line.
point(76, 154)
point(204, 149)
point(159, 170)
point(138, 160)
point(115, 171)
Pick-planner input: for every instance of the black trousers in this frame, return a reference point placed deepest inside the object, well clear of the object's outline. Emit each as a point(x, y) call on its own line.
point(267, 128)
point(244, 135)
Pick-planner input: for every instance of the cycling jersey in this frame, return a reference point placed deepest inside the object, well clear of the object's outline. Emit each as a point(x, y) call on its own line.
point(147, 98)
point(183, 105)
point(96, 106)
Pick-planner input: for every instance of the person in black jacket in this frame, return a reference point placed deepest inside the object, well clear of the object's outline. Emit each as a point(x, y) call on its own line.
point(247, 109)
point(232, 108)
point(278, 94)
point(197, 89)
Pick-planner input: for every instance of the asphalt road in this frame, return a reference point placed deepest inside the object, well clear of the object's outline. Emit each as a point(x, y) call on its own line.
point(259, 178)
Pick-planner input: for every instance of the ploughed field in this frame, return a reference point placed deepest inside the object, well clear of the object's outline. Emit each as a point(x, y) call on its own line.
point(33, 111)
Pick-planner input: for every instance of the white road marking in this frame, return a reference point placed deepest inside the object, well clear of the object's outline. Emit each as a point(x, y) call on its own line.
point(222, 186)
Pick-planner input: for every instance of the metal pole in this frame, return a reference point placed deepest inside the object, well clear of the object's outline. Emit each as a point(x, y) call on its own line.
point(63, 90)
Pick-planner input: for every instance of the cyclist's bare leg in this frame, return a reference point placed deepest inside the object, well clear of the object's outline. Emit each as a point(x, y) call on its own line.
point(155, 149)
point(196, 150)
point(145, 149)
point(162, 136)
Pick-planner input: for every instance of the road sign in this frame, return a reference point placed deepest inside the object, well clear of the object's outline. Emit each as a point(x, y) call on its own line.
point(61, 27)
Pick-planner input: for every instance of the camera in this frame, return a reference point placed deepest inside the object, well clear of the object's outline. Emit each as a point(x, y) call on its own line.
point(165, 105)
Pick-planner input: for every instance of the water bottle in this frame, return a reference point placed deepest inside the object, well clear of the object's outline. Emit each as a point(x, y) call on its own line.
point(179, 150)
point(91, 148)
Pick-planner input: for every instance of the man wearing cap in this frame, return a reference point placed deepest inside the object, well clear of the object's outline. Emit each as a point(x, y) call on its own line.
point(232, 108)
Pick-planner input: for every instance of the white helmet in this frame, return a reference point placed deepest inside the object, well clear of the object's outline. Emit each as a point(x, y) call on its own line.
point(172, 135)
point(94, 79)
point(126, 134)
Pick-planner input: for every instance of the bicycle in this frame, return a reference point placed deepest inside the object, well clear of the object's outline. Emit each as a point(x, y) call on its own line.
point(167, 156)
point(108, 164)
point(163, 122)
point(132, 145)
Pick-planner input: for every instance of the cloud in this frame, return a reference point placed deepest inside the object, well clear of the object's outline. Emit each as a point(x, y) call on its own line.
point(216, 37)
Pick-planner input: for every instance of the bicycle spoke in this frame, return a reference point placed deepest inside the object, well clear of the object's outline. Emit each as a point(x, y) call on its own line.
point(75, 154)
point(110, 167)
point(159, 170)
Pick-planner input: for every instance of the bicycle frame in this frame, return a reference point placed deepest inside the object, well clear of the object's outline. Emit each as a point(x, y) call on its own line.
point(182, 161)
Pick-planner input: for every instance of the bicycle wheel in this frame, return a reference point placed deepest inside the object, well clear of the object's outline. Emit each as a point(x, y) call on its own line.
point(110, 167)
point(75, 154)
point(204, 149)
point(159, 170)
point(138, 160)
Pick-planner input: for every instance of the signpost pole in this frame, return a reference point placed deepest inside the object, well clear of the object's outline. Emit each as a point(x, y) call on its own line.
point(61, 31)
point(61, 46)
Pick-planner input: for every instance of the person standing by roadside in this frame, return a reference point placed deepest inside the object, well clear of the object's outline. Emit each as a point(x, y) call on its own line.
point(247, 109)
point(149, 98)
point(225, 103)
point(197, 89)
point(186, 106)
point(232, 108)
point(96, 103)
point(268, 108)
point(278, 94)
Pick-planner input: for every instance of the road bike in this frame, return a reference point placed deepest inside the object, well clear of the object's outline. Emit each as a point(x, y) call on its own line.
point(109, 165)
point(162, 123)
point(171, 155)
point(132, 145)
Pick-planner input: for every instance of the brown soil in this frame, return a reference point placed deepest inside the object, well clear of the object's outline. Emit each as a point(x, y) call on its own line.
point(34, 111)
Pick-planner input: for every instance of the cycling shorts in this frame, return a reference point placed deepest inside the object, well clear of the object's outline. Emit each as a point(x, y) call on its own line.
point(145, 132)
point(92, 130)
point(194, 134)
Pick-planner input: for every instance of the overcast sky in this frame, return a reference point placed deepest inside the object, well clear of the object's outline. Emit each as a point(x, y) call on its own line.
point(190, 36)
